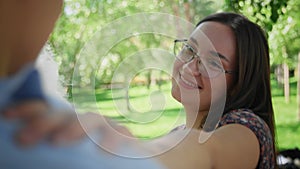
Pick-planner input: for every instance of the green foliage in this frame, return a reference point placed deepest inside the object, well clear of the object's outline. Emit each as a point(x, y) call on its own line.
point(284, 38)
point(265, 13)
point(81, 19)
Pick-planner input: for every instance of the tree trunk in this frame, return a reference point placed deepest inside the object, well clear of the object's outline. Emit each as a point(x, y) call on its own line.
point(298, 87)
point(286, 83)
point(279, 76)
point(149, 79)
point(286, 77)
point(177, 25)
point(127, 100)
point(187, 11)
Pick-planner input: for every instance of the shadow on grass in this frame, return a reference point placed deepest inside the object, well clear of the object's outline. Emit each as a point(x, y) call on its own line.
point(288, 135)
point(166, 113)
point(289, 127)
point(278, 90)
point(104, 95)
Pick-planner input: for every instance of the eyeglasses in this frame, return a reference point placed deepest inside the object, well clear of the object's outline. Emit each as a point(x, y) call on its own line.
point(208, 66)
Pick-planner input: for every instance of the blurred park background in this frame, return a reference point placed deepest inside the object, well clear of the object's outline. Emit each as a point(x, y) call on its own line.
point(81, 19)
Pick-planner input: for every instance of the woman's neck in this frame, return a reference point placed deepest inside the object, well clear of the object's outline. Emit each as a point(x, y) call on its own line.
point(194, 117)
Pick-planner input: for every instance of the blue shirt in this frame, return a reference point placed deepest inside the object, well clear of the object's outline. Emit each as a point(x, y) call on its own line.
point(84, 154)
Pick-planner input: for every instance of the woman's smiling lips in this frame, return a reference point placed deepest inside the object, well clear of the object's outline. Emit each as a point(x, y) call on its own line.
point(187, 84)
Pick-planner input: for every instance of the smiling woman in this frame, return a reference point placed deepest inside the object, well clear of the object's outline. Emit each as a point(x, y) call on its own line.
point(248, 98)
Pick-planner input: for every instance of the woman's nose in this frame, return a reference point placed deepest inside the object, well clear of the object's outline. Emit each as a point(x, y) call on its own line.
point(192, 67)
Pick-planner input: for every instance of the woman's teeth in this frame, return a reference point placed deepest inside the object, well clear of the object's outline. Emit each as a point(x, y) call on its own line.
point(189, 83)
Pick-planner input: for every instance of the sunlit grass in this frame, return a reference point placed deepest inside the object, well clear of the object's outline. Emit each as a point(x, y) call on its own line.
point(157, 120)
point(286, 116)
point(151, 112)
point(287, 124)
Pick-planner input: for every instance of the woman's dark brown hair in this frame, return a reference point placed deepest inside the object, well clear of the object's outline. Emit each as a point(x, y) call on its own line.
point(252, 83)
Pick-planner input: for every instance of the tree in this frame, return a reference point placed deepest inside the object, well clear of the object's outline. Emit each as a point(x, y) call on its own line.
point(288, 36)
point(265, 13)
point(81, 19)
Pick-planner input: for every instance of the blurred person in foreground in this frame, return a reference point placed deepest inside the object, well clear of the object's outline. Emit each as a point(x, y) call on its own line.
point(25, 27)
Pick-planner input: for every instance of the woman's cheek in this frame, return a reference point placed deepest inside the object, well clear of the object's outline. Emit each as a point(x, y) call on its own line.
point(175, 88)
point(176, 67)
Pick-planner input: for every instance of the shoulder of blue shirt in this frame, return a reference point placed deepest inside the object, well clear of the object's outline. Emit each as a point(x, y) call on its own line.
point(80, 155)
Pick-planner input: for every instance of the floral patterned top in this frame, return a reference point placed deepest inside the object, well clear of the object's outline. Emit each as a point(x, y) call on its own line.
point(258, 126)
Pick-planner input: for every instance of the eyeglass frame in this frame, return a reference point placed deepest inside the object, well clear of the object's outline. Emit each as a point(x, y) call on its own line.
point(184, 41)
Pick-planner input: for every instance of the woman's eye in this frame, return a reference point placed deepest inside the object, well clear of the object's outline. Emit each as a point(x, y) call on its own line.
point(215, 64)
point(189, 50)
point(187, 53)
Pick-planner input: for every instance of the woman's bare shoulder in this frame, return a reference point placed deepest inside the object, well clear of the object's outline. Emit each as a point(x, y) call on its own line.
point(230, 146)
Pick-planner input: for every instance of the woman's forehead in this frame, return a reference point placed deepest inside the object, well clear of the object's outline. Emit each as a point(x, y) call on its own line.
point(214, 36)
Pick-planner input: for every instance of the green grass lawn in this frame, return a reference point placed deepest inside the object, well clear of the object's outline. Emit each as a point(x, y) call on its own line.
point(286, 117)
point(287, 124)
point(154, 112)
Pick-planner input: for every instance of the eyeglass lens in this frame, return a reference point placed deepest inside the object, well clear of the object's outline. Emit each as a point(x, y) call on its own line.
point(207, 66)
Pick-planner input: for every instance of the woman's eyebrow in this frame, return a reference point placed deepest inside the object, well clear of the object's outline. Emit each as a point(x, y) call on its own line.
point(214, 53)
point(217, 54)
